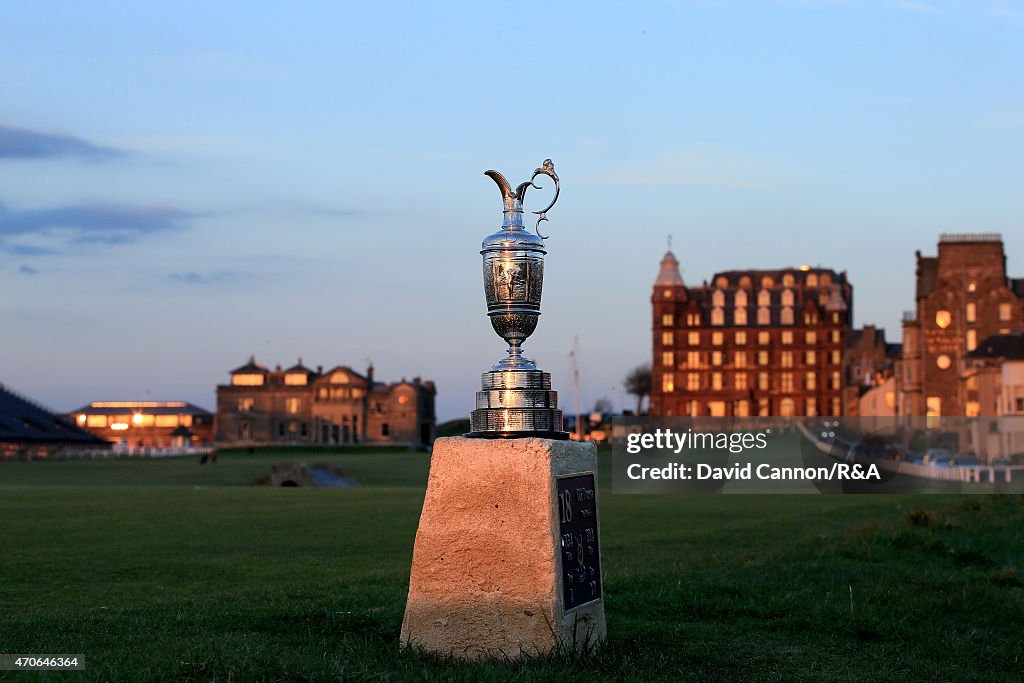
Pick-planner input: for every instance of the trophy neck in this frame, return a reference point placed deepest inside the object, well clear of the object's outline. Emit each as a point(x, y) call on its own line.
point(513, 218)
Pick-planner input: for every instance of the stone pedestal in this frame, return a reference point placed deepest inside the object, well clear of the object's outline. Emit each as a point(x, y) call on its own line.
point(501, 566)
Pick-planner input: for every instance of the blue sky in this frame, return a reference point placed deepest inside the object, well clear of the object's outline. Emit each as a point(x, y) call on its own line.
point(183, 186)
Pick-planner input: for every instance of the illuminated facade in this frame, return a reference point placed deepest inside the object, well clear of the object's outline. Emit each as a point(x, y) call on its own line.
point(160, 424)
point(750, 342)
point(963, 296)
point(338, 406)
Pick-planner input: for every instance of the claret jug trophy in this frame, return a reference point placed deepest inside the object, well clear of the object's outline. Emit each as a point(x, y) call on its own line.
point(516, 399)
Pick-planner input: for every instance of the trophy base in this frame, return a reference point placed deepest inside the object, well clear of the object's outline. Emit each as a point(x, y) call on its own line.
point(516, 404)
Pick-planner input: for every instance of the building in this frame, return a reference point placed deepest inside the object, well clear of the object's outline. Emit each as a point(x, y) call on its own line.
point(337, 406)
point(159, 424)
point(994, 376)
point(27, 430)
point(868, 363)
point(963, 295)
point(750, 342)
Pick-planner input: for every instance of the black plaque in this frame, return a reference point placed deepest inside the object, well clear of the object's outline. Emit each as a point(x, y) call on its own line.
point(580, 554)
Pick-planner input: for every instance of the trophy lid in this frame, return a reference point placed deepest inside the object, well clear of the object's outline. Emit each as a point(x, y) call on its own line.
point(513, 235)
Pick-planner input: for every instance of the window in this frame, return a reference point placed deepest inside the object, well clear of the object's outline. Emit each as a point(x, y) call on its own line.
point(296, 379)
point(787, 382)
point(764, 338)
point(718, 298)
point(812, 280)
point(835, 336)
point(666, 320)
point(763, 407)
point(972, 312)
point(385, 429)
point(786, 316)
point(835, 357)
point(763, 357)
point(245, 404)
point(693, 381)
point(717, 338)
point(247, 380)
point(716, 381)
point(764, 298)
point(972, 340)
point(742, 408)
point(668, 384)
point(787, 295)
point(812, 406)
point(787, 359)
point(740, 300)
point(292, 405)
point(741, 359)
point(1005, 312)
point(716, 358)
point(1019, 405)
point(810, 357)
point(741, 381)
point(763, 381)
point(668, 359)
point(693, 359)
point(812, 337)
point(811, 381)
point(837, 406)
point(837, 381)
point(717, 316)
point(764, 316)
point(693, 319)
point(741, 338)
point(166, 421)
point(787, 407)
point(693, 338)
point(739, 316)
point(787, 337)
point(96, 421)
point(810, 318)
point(667, 339)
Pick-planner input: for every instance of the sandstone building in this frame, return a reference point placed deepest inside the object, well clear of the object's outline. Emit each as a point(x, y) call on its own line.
point(963, 297)
point(750, 342)
point(338, 406)
point(160, 424)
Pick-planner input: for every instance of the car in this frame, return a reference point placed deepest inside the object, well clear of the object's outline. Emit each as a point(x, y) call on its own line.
point(938, 457)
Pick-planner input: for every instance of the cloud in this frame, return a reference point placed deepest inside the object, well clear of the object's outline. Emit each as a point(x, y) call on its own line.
point(193, 278)
point(27, 270)
point(50, 231)
point(21, 143)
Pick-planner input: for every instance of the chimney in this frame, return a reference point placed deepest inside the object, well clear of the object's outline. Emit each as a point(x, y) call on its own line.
point(369, 374)
point(319, 369)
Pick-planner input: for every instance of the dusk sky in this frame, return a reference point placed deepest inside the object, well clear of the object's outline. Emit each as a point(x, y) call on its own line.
point(181, 187)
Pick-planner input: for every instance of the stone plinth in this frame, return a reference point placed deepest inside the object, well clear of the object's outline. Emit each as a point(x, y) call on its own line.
point(487, 569)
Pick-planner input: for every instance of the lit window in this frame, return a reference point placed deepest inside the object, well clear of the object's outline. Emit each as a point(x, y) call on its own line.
point(764, 338)
point(96, 421)
point(166, 420)
point(741, 338)
point(835, 357)
point(763, 407)
point(837, 381)
point(786, 316)
point(247, 380)
point(693, 338)
point(245, 404)
point(972, 340)
point(666, 338)
point(292, 405)
point(667, 358)
point(667, 383)
point(787, 382)
point(787, 359)
point(739, 316)
point(811, 357)
point(666, 320)
point(787, 295)
point(718, 298)
point(693, 319)
point(741, 380)
point(717, 316)
point(812, 406)
point(716, 358)
point(693, 359)
point(835, 336)
point(812, 280)
point(812, 381)
point(716, 381)
point(764, 316)
point(741, 359)
point(762, 358)
point(787, 407)
point(837, 406)
point(296, 379)
point(812, 337)
point(1005, 312)
point(763, 381)
point(972, 312)
point(693, 381)
point(717, 339)
point(740, 300)
point(787, 337)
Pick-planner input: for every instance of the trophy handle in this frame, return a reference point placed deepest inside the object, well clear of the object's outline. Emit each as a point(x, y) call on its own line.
point(548, 169)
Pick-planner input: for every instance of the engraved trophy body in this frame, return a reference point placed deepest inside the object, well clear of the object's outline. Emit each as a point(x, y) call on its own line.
point(516, 399)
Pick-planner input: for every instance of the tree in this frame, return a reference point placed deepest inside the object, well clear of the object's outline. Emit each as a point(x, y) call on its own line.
point(603, 406)
point(638, 383)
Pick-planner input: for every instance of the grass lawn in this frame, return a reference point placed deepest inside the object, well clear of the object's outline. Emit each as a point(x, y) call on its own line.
point(161, 569)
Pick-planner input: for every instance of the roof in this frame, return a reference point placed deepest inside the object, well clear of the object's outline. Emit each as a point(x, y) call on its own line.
point(669, 274)
point(1008, 346)
point(143, 407)
point(24, 421)
point(299, 367)
point(251, 367)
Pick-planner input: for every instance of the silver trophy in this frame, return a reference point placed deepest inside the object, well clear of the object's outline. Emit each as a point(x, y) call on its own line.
point(516, 399)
